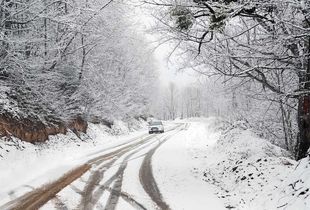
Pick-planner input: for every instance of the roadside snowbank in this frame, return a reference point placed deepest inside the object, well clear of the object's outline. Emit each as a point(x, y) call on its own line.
point(250, 173)
point(247, 172)
point(296, 192)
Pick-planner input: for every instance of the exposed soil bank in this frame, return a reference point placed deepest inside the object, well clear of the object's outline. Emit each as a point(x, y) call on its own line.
point(34, 130)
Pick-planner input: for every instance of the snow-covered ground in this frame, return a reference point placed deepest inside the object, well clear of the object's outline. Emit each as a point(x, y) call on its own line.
point(209, 164)
point(25, 166)
point(245, 172)
point(174, 166)
point(248, 172)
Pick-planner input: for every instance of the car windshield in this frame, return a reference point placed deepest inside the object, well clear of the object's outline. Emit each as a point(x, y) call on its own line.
point(156, 123)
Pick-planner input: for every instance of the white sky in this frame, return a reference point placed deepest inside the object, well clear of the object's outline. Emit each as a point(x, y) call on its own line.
point(167, 69)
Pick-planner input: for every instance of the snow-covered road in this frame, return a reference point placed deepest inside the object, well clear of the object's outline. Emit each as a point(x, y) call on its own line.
point(149, 172)
point(176, 166)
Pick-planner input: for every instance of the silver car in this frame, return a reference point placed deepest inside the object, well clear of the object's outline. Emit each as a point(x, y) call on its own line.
point(156, 127)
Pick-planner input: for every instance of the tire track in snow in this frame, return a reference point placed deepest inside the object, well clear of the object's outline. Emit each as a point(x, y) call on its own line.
point(93, 180)
point(87, 202)
point(115, 191)
point(90, 197)
point(38, 197)
point(128, 198)
point(147, 178)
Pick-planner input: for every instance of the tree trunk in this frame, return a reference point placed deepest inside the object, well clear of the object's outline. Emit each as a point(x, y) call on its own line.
point(304, 126)
point(285, 129)
point(304, 111)
point(83, 57)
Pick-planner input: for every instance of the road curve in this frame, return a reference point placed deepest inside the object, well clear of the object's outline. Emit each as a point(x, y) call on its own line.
point(93, 189)
point(38, 197)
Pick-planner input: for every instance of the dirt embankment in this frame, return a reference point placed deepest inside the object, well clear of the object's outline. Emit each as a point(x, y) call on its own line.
point(34, 130)
point(78, 124)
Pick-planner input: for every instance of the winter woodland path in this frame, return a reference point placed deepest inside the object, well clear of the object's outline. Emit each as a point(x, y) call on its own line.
point(149, 172)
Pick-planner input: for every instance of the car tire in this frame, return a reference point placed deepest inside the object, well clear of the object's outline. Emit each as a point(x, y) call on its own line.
point(150, 132)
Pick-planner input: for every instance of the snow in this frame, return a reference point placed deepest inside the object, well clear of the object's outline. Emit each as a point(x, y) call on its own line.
point(124, 205)
point(131, 182)
point(25, 166)
point(295, 194)
point(242, 170)
point(209, 163)
point(248, 172)
point(173, 166)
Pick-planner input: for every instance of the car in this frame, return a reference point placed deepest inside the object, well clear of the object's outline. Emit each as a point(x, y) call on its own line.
point(156, 127)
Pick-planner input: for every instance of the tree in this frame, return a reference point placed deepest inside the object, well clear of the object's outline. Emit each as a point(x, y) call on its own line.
point(262, 42)
point(62, 59)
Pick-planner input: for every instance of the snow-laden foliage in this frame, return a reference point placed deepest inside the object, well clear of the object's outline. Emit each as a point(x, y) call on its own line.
point(260, 49)
point(60, 59)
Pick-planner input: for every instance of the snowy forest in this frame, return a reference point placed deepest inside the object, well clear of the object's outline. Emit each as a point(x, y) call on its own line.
point(86, 101)
point(62, 62)
point(67, 62)
point(253, 57)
